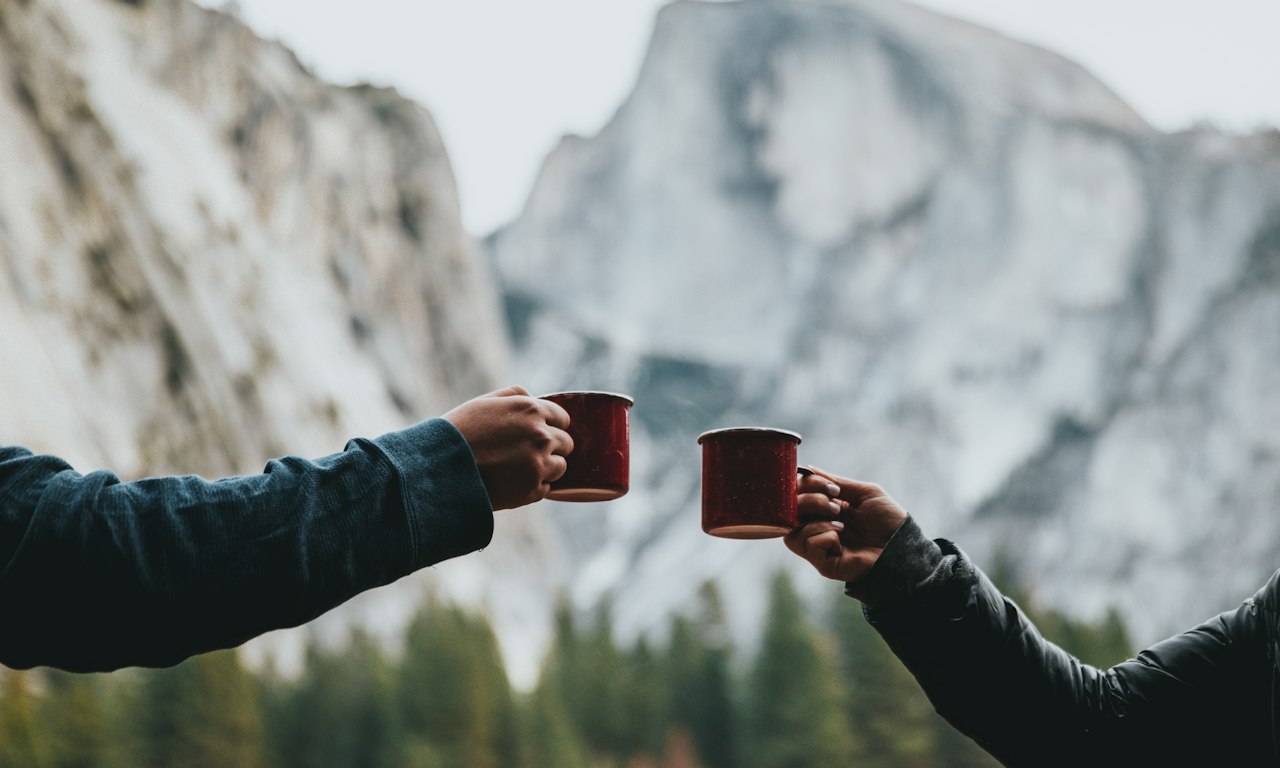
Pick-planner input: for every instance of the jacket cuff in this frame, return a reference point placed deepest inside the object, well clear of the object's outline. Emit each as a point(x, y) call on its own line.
point(907, 561)
point(445, 500)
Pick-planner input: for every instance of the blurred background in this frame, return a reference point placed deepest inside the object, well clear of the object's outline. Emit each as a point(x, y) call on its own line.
point(1018, 264)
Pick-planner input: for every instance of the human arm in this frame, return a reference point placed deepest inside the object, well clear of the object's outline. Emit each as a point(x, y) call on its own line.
point(96, 573)
point(1201, 697)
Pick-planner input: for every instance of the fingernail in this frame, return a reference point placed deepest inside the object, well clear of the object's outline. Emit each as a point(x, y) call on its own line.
point(834, 506)
point(833, 490)
point(839, 526)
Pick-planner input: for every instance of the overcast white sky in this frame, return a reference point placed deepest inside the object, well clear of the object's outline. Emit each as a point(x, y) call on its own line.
point(505, 79)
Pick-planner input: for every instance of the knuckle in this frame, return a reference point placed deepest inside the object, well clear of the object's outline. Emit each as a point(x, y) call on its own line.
point(520, 404)
point(541, 438)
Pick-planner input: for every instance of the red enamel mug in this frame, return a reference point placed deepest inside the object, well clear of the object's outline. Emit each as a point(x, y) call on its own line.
point(749, 482)
point(599, 468)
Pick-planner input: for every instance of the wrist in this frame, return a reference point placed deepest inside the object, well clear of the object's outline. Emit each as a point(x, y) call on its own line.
point(908, 558)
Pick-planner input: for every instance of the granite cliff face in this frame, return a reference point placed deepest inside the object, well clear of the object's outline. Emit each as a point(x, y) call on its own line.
point(957, 264)
point(208, 258)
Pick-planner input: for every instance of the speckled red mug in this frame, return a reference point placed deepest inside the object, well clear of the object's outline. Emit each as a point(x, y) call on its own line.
point(599, 469)
point(749, 482)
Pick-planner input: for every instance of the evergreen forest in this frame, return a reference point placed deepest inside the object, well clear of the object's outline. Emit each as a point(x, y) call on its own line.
point(820, 689)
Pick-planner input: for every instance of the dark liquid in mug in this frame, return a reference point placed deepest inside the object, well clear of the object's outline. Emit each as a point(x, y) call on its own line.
point(749, 483)
point(599, 469)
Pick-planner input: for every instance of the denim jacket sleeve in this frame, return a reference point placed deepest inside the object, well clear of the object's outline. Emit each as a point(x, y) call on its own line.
point(97, 574)
point(1202, 697)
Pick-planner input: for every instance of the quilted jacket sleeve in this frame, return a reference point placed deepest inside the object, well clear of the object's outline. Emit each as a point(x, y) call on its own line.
point(1202, 697)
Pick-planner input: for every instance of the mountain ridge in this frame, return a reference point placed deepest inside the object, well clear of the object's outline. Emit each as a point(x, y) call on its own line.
point(959, 267)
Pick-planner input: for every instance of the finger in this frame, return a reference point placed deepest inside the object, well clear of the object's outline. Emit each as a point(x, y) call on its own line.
point(853, 491)
point(815, 483)
point(819, 472)
point(561, 442)
point(817, 505)
point(797, 540)
point(554, 413)
point(858, 492)
point(811, 527)
point(512, 391)
point(823, 546)
point(556, 467)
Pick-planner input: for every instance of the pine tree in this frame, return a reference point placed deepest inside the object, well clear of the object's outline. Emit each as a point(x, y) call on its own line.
point(567, 678)
point(893, 719)
point(711, 712)
point(684, 652)
point(340, 713)
point(21, 742)
point(562, 671)
point(453, 694)
point(73, 716)
point(644, 703)
point(547, 736)
point(1111, 642)
point(598, 704)
point(795, 716)
point(202, 713)
point(886, 708)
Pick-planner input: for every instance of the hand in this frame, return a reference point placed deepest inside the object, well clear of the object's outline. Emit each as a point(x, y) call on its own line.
point(844, 524)
point(519, 443)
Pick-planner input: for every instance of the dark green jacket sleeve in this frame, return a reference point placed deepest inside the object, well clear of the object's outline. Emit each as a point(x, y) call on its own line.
point(97, 574)
point(1203, 697)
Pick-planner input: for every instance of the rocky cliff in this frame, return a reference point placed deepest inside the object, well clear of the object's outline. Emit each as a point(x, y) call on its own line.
point(958, 264)
point(208, 257)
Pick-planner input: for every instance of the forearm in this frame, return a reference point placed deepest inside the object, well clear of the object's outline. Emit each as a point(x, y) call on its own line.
point(97, 574)
point(983, 665)
point(1201, 697)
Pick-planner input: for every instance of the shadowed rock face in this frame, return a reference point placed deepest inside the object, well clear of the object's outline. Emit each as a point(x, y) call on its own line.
point(958, 264)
